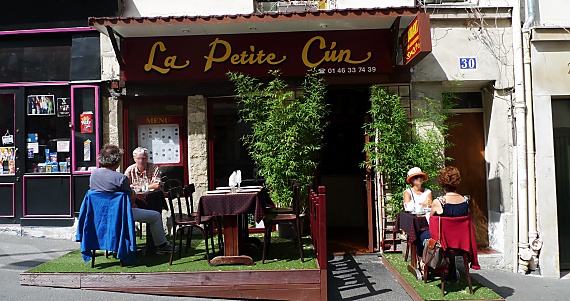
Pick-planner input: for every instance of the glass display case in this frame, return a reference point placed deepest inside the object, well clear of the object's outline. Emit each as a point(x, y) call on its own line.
point(48, 130)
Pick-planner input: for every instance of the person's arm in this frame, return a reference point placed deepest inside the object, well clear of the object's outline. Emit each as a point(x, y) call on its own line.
point(436, 207)
point(429, 200)
point(128, 174)
point(126, 186)
point(154, 182)
point(407, 201)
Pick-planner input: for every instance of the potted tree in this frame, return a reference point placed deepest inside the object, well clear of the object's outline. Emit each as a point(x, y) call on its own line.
point(400, 145)
point(287, 130)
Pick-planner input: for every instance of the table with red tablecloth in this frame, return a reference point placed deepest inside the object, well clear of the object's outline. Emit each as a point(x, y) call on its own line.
point(233, 207)
point(413, 225)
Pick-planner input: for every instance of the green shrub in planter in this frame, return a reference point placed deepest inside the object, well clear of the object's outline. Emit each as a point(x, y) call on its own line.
point(287, 131)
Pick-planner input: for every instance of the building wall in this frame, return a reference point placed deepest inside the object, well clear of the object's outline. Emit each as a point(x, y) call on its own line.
point(553, 13)
point(197, 144)
point(150, 8)
point(550, 51)
point(491, 45)
point(109, 65)
point(342, 4)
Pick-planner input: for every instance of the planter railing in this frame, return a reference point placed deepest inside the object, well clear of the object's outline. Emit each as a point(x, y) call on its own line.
point(318, 221)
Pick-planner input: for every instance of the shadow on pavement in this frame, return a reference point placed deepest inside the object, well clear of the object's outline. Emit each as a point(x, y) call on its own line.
point(348, 281)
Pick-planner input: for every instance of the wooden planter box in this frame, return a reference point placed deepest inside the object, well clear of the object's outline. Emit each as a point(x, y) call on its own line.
point(270, 285)
point(306, 284)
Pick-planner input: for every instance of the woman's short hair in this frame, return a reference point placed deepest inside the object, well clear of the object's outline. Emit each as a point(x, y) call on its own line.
point(140, 151)
point(449, 178)
point(110, 155)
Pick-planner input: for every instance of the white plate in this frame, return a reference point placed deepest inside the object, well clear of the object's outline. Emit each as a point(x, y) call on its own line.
point(248, 190)
point(252, 187)
point(223, 188)
point(216, 192)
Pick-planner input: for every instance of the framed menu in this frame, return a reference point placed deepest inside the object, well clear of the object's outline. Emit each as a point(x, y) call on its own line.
point(160, 135)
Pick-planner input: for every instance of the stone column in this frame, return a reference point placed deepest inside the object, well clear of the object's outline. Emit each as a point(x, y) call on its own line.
point(111, 112)
point(197, 144)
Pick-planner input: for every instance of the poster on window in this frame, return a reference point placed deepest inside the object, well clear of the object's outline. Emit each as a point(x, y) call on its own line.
point(63, 107)
point(86, 120)
point(161, 136)
point(41, 105)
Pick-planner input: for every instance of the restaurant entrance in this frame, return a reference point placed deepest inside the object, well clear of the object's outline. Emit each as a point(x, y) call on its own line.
point(340, 171)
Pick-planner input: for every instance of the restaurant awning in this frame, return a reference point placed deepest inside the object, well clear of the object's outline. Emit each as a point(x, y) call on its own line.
point(320, 20)
point(355, 41)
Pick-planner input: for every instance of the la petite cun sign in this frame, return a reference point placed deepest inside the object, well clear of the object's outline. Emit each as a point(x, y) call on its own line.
point(211, 57)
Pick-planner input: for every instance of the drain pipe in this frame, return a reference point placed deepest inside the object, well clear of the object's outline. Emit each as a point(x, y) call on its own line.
point(533, 239)
point(518, 118)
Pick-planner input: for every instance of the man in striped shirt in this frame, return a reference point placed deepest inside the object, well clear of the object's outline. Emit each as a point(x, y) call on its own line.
point(143, 169)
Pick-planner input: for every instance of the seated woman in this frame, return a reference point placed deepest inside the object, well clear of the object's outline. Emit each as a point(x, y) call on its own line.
point(416, 197)
point(105, 178)
point(451, 204)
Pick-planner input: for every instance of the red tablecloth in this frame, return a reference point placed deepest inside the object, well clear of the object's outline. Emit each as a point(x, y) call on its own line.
point(412, 224)
point(234, 204)
point(151, 200)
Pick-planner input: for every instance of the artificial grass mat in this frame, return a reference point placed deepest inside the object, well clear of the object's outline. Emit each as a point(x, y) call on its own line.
point(432, 289)
point(283, 255)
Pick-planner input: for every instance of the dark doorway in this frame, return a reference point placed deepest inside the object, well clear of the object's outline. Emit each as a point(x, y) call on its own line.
point(561, 124)
point(340, 171)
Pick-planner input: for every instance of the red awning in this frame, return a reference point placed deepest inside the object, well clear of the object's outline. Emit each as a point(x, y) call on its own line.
point(319, 20)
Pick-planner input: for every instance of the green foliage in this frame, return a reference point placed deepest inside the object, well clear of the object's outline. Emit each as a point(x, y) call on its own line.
point(287, 133)
point(400, 145)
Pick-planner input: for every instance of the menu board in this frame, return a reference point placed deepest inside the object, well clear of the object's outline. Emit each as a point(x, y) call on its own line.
point(160, 135)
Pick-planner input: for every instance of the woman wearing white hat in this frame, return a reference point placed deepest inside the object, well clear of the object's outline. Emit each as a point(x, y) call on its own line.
point(416, 197)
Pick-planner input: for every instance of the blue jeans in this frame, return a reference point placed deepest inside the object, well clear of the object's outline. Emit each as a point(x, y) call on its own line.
point(420, 242)
point(154, 220)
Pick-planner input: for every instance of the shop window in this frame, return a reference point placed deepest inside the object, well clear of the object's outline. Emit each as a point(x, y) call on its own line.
point(85, 124)
point(48, 130)
point(7, 149)
point(465, 100)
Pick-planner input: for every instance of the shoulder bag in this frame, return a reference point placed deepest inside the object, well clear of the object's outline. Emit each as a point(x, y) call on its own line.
point(434, 256)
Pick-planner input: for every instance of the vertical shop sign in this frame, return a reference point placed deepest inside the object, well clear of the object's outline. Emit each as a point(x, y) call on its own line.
point(416, 40)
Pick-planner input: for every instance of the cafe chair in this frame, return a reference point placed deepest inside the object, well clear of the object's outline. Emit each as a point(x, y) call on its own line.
point(294, 219)
point(275, 210)
point(457, 239)
point(181, 222)
point(106, 222)
point(205, 220)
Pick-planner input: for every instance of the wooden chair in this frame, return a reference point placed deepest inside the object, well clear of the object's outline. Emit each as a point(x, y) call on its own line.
point(206, 220)
point(293, 219)
point(465, 247)
point(188, 222)
point(277, 210)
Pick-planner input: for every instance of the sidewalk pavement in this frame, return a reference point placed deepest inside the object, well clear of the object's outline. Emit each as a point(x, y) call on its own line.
point(360, 277)
point(364, 277)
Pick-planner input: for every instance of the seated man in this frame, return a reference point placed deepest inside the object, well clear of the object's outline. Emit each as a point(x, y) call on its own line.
point(143, 170)
point(105, 178)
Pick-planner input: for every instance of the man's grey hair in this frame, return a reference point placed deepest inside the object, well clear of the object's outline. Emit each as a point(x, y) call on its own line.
point(140, 151)
point(110, 155)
